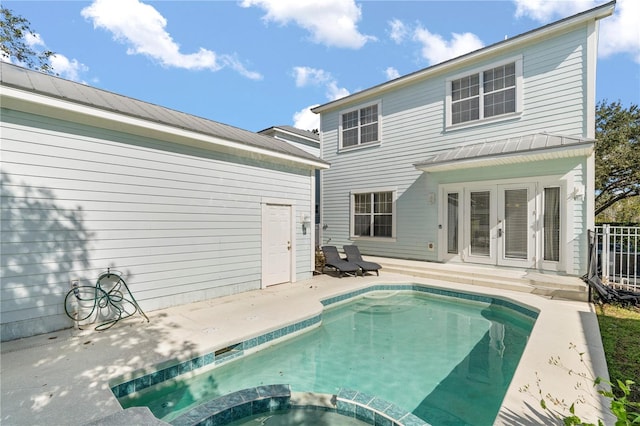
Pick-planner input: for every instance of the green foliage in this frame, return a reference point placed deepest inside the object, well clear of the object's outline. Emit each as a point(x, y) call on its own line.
point(626, 411)
point(14, 46)
point(617, 154)
point(620, 328)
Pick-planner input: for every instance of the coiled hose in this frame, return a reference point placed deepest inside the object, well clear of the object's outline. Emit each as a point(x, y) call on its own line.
point(83, 302)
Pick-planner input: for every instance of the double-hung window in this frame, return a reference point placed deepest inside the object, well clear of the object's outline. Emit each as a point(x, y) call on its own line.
point(490, 92)
point(372, 214)
point(360, 126)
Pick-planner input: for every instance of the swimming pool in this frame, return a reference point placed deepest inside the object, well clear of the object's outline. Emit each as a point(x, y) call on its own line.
point(446, 357)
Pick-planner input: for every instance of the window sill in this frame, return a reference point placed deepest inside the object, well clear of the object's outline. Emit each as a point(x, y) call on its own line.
point(468, 124)
point(359, 147)
point(376, 239)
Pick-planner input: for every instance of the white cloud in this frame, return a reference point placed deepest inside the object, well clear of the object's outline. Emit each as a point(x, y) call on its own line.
point(330, 22)
point(545, 10)
point(60, 64)
point(142, 28)
point(33, 40)
point(391, 73)
point(307, 76)
point(619, 33)
point(305, 119)
point(67, 68)
point(436, 49)
point(398, 31)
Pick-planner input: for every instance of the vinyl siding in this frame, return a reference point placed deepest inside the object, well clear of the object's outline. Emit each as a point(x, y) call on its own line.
point(182, 224)
point(413, 127)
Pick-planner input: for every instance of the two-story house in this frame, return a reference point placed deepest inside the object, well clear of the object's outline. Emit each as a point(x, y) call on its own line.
point(484, 159)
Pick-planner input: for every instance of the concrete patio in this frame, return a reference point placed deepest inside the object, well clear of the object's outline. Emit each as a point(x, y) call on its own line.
point(64, 378)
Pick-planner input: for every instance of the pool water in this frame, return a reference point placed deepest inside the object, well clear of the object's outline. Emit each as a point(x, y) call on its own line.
point(444, 359)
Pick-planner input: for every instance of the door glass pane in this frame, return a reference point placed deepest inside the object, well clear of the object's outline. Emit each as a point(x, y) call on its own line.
point(480, 226)
point(515, 224)
point(452, 223)
point(552, 224)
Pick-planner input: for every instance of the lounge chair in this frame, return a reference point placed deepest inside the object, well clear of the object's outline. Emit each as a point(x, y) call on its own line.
point(353, 255)
point(333, 260)
point(606, 293)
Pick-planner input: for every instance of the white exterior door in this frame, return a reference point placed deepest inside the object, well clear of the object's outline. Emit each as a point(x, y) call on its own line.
point(492, 224)
point(515, 228)
point(277, 244)
point(479, 225)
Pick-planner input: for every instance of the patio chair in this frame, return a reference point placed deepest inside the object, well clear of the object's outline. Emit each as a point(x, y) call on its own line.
point(353, 255)
point(333, 260)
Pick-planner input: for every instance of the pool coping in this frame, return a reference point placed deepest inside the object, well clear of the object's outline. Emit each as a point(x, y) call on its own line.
point(356, 406)
point(65, 377)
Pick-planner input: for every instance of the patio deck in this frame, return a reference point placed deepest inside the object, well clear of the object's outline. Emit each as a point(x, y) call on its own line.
point(63, 378)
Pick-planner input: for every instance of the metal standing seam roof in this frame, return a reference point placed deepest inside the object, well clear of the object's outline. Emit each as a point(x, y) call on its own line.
point(538, 146)
point(56, 87)
point(294, 130)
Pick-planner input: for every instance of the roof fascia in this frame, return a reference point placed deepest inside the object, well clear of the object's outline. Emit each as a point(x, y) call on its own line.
point(542, 32)
point(26, 101)
point(585, 149)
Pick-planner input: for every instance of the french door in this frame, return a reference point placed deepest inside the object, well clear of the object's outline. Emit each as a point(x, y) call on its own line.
point(491, 224)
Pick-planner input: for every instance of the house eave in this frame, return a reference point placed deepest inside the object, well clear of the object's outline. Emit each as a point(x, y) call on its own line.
point(36, 103)
point(486, 52)
point(508, 158)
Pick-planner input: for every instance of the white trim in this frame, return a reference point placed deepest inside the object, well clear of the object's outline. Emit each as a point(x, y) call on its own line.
point(394, 213)
point(265, 203)
point(511, 158)
point(519, 101)
point(341, 148)
point(590, 81)
point(516, 42)
point(71, 111)
point(537, 184)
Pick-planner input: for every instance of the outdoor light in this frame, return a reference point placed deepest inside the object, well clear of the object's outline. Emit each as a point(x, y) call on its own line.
point(306, 222)
point(578, 192)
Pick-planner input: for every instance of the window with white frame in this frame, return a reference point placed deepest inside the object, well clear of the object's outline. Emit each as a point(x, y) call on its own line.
point(360, 126)
point(486, 93)
point(372, 214)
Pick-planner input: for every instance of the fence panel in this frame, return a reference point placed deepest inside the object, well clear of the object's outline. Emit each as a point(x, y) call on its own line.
point(619, 255)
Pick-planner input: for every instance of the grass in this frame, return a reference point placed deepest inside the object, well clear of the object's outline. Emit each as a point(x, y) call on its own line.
point(620, 330)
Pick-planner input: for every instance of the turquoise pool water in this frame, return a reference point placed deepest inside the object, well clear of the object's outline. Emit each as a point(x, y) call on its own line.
point(444, 359)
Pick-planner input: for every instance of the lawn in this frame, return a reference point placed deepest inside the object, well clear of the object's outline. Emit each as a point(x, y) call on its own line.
point(620, 330)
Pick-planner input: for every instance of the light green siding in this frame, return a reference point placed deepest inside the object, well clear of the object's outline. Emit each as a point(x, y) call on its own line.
point(183, 224)
point(413, 127)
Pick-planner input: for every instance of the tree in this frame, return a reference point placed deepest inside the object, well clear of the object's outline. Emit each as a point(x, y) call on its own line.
point(617, 154)
point(13, 32)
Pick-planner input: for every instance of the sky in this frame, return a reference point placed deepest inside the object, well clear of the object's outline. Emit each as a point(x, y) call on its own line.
point(255, 64)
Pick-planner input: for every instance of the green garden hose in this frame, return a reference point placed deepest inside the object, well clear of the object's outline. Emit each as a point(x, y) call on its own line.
point(83, 302)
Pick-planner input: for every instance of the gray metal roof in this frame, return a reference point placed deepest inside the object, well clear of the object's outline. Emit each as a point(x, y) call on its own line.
point(595, 13)
point(538, 146)
point(56, 87)
point(302, 133)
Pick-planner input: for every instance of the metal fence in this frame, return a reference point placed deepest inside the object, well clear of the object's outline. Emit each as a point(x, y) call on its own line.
point(619, 255)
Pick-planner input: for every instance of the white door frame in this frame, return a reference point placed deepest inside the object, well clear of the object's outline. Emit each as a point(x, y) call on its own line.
point(532, 235)
point(535, 187)
point(266, 203)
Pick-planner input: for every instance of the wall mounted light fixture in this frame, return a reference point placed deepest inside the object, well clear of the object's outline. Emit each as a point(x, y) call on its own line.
point(306, 223)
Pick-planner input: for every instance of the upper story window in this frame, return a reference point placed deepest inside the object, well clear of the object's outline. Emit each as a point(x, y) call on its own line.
point(360, 126)
point(485, 93)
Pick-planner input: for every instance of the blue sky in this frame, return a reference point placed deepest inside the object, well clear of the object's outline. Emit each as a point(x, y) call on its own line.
point(255, 64)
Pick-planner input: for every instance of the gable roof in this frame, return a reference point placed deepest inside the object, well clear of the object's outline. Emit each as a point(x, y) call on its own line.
point(292, 130)
point(29, 82)
point(594, 14)
point(535, 147)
